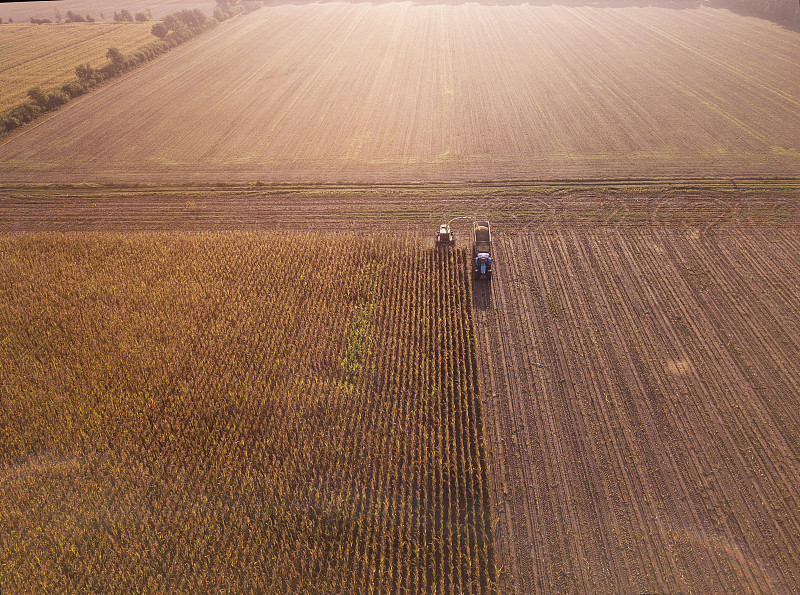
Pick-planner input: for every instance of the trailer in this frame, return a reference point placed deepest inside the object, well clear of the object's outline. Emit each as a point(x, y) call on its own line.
point(481, 250)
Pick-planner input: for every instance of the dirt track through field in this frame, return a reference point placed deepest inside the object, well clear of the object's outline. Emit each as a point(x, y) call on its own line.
point(392, 208)
point(641, 387)
point(407, 92)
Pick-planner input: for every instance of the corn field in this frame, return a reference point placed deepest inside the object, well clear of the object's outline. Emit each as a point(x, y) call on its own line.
point(239, 413)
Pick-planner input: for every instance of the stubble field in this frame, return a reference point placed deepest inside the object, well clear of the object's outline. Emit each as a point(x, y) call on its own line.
point(398, 91)
point(46, 55)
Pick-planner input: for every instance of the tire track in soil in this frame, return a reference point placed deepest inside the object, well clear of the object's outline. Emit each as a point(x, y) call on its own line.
point(640, 386)
point(498, 388)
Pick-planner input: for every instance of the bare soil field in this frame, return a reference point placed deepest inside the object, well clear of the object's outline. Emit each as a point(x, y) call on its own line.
point(407, 92)
point(642, 392)
point(393, 208)
point(46, 55)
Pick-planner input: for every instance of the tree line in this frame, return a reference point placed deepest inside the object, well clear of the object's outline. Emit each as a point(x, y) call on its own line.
point(123, 16)
point(784, 11)
point(173, 30)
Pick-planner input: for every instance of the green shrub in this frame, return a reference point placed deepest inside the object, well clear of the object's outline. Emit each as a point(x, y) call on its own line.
point(56, 99)
point(160, 30)
point(73, 89)
point(9, 123)
point(39, 96)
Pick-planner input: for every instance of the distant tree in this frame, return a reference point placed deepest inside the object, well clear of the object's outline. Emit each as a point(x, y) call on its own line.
point(123, 16)
point(116, 57)
point(9, 123)
point(171, 22)
point(86, 75)
point(102, 17)
point(56, 98)
point(160, 30)
point(141, 17)
point(26, 112)
point(10, 20)
point(39, 96)
point(73, 89)
point(1, 21)
point(58, 15)
point(228, 8)
point(89, 19)
point(74, 17)
point(47, 101)
point(193, 18)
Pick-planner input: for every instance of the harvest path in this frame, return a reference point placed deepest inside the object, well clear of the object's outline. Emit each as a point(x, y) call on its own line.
point(397, 91)
point(641, 388)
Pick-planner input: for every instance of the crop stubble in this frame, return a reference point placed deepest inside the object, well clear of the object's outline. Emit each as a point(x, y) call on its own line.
point(46, 55)
point(397, 91)
point(641, 393)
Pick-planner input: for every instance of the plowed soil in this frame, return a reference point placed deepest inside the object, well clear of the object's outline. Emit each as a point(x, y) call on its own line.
point(407, 92)
point(642, 387)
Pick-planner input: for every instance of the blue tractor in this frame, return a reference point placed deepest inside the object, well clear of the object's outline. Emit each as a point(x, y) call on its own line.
point(481, 250)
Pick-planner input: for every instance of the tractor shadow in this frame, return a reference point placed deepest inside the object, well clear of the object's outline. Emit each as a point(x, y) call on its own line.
point(481, 294)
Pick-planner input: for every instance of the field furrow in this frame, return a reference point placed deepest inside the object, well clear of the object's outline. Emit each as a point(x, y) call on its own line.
point(640, 384)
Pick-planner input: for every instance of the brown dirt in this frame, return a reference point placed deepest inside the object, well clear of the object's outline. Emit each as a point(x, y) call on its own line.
point(641, 398)
point(403, 92)
point(394, 208)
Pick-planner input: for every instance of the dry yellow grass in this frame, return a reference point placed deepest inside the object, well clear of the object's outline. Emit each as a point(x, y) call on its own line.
point(46, 55)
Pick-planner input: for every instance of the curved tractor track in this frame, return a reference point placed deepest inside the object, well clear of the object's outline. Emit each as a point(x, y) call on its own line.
point(641, 388)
